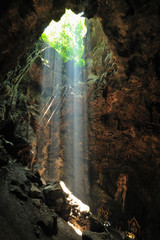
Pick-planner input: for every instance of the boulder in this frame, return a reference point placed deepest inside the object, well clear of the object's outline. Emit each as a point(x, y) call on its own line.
point(36, 202)
point(35, 192)
point(33, 177)
point(52, 193)
point(59, 204)
point(88, 235)
point(95, 224)
point(48, 223)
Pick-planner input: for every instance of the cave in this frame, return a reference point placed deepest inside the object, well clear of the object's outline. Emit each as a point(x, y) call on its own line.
point(80, 143)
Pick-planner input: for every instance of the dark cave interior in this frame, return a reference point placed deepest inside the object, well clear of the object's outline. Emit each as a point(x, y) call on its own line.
point(119, 162)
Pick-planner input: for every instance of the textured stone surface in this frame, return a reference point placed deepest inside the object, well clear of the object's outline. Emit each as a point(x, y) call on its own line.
point(123, 102)
point(35, 192)
point(4, 158)
point(124, 123)
point(123, 114)
point(48, 224)
point(19, 216)
point(87, 235)
point(52, 193)
point(23, 216)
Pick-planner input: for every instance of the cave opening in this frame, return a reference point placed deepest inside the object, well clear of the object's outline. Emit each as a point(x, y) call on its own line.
point(67, 140)
point(67, 36)
point(64, 117)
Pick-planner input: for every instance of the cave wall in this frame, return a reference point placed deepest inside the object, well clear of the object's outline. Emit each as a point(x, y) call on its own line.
point(123, 100)
point(124, 134)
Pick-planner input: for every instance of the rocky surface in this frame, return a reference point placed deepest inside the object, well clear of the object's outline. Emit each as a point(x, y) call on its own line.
point(31, 210)
point(123, 115)
point(124, 124)
point(96, 236)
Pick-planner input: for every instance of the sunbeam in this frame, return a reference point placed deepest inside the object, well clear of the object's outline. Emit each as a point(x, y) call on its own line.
point(64, 103)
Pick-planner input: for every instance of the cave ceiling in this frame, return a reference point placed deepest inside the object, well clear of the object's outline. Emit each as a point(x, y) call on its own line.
point(22, 23)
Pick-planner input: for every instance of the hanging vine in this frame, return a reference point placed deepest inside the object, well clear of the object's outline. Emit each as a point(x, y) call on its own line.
point(15, 76)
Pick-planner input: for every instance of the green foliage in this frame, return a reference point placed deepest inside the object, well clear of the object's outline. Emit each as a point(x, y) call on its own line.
point(66, 36)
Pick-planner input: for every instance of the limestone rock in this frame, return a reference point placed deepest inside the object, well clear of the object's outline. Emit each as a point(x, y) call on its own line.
point(123, 104)
point(48, 223)
point(52, 193)
point(88, 235)
point(36, 202)
point(4, 158)
point(95, 225)
point(59, 204)
point(18, 192)
point(35, 192)
point(65, 231)
point(34, 177)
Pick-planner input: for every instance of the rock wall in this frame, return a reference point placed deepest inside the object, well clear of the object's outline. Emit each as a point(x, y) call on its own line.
point(124, 114)
point(123, 76)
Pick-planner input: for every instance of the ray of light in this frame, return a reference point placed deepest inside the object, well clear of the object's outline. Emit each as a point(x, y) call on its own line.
point(66, 94)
